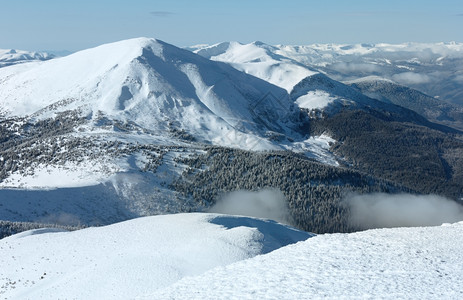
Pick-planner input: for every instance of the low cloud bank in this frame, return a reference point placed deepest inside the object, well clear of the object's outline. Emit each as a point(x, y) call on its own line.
point(63, 219)
point(411, 78)
point(266, 204)
point(355, 67)
point(385, 210)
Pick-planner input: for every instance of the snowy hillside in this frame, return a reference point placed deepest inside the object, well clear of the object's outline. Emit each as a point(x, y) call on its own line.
point(133, 258)
point(206, 256)
point(321, 96)
point(12, 57)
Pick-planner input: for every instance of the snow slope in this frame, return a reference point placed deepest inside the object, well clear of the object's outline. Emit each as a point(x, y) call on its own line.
point(400, 263)
point(133, 258)
point(260, 60)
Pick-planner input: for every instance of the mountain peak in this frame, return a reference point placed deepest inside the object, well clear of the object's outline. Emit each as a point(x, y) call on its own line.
point(259, 43)
point(146, 81)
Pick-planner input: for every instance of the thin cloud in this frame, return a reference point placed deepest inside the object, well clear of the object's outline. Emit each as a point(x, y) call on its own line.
point(459, 15)
point(366, 13)
point(161, 14)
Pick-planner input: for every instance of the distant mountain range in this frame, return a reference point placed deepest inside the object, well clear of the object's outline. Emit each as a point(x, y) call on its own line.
point(11, 57)
point(432, 68)
point(141, 127)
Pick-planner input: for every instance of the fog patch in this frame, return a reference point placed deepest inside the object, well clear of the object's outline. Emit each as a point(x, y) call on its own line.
point(348, 67)
point(401, 210)
point(459, 78)
point(265, 204)
point(411, 78)
point(64, 219)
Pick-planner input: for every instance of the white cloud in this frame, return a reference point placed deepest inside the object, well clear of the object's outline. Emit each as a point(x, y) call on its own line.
point(162, 14)
point(459, 78)
point(345, 67)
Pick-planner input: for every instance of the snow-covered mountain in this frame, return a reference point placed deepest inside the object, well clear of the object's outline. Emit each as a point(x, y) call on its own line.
point(150, 83)
point(207, 256)
point(138, 127)
point(112, 126)
point(11, 57)
point(260, 60)
point(432, 68)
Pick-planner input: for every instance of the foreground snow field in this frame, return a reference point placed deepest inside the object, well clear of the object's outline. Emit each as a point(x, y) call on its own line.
point(131, 258)
point(400, 263)
point(209, 256)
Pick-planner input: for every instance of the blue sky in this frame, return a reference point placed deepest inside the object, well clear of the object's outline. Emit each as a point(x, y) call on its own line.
point(76, 25)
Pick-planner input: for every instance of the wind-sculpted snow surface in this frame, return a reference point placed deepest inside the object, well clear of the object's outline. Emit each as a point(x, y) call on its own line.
point(133, 258)
point(400, 263)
